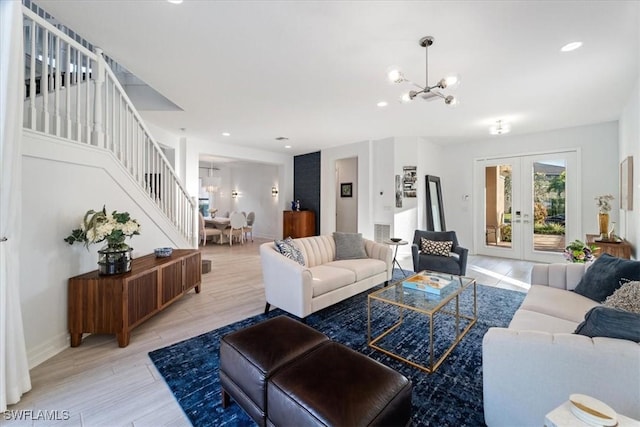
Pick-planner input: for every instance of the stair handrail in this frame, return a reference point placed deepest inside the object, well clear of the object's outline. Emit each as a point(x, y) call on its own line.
point(143, 158)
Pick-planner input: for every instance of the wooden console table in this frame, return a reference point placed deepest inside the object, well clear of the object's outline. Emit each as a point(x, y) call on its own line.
point(117, 304)
point(297, 224)
point(620, 250)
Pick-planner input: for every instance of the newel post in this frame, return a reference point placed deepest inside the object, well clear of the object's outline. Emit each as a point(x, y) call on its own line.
point(97, 135)
point(196, 223)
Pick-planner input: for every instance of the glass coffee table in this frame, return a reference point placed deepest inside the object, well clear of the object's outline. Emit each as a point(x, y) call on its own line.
point(396, 318)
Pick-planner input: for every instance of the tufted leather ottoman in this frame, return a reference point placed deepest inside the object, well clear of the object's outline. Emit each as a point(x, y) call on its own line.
point(250, 356)
point(336, 386)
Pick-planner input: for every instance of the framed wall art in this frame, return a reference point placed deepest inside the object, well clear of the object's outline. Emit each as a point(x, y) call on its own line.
point(626, 184)
point(409, 180)
point(346, 189)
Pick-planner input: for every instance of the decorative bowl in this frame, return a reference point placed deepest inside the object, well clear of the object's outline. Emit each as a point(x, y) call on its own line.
point(395, 239)
point(163, 252)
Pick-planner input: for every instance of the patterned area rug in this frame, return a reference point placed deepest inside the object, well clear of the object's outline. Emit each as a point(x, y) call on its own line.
point(452, 396)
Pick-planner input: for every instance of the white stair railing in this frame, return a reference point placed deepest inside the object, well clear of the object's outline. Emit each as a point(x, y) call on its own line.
point(72, 93)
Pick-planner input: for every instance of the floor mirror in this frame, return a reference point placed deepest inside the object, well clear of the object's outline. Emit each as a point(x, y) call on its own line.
point(435, 210)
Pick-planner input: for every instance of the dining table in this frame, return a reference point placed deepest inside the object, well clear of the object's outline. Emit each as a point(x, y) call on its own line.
point(221, 223)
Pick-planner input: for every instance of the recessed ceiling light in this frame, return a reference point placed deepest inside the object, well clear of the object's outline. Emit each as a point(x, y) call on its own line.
point(175, 1)
point(226, 134)
point(382, 104)
point(287, 146)
point(570, 46)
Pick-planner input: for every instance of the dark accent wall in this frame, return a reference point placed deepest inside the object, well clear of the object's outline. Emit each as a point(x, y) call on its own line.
point(306, 183)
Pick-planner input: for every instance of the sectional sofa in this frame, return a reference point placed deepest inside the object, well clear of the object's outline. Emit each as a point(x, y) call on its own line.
point(533, 366)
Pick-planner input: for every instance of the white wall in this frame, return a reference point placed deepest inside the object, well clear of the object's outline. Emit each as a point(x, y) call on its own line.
point(61, 181)
point(383, 182)
point(406, 218)
point(253, 184)
point(629, 130)
point(598, 170)
point(328, 158)
point(347, 207)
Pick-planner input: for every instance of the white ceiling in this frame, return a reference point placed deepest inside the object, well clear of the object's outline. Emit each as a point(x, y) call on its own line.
point(313, 71)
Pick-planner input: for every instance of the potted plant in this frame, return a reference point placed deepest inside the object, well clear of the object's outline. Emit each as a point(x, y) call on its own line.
point(114, 228)
point(578, 251)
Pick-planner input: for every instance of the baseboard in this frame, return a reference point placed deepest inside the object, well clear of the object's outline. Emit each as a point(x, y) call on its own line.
point(46, 350)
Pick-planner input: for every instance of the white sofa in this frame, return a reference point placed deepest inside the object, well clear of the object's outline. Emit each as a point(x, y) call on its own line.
point(533, 366)
point(322, 281)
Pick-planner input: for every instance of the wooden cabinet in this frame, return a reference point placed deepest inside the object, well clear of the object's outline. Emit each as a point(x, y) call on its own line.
point(117, 304)
point(298, 224)
point(620, 249)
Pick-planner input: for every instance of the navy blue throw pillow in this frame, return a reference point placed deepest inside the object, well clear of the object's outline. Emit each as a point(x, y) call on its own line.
point(606, 275)
point(610, 323)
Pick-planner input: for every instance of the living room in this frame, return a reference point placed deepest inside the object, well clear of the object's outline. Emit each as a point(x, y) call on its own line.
point(600, 137)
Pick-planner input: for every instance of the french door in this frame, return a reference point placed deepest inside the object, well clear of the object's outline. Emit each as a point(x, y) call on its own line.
point(528, 206)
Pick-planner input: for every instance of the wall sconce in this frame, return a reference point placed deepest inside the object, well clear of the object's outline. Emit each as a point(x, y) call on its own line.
point(274, 191)
point(234, 194)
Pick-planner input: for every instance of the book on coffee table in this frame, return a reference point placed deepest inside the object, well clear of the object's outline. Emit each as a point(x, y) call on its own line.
point(427, 283)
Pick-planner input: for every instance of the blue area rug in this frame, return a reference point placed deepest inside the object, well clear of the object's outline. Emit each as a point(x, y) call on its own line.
point(452, 396)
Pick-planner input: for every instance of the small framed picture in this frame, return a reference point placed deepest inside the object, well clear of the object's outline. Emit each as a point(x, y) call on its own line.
point(346, 189)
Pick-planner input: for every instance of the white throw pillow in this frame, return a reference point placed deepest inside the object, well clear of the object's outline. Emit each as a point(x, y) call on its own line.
point(626, 297)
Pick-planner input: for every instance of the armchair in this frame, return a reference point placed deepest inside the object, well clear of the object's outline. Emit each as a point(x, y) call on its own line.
point(455, 263)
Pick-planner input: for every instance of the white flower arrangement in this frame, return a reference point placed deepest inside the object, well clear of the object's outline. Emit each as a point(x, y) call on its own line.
point(604, 202)
point(98, 226)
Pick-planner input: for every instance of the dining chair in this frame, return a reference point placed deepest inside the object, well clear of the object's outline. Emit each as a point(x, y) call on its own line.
point(248, 228)
point(237, 222)
point(206, 232)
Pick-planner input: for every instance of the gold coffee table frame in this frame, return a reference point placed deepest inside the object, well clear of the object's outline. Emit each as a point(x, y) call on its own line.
point(428, 304)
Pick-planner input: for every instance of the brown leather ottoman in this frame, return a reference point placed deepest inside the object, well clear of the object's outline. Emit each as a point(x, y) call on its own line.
point(336, 386)
point(250, 356)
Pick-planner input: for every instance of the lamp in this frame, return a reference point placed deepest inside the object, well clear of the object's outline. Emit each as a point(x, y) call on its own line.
point(234, 194)
point(499, 128)
point(274, 191)
point(427, 92)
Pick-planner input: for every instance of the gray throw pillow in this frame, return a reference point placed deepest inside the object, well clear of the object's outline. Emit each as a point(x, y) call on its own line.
point(349, 246)
point(606, 275)
point(289, 249)
point(610, 323)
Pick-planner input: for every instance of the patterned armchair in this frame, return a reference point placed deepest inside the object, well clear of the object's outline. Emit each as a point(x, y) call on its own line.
point(438, 256)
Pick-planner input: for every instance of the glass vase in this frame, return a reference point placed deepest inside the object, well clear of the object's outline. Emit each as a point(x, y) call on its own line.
point(114, 260)
point(603, 224)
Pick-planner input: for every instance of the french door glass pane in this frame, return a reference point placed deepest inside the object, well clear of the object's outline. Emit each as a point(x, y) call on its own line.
point(498, 197)
point(549, 179)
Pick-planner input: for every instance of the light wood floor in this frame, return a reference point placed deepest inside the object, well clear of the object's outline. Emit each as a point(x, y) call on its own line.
point(100, 384)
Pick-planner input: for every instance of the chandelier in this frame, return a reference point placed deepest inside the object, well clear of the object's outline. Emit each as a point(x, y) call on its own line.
point(211, 183)
point(426, 92)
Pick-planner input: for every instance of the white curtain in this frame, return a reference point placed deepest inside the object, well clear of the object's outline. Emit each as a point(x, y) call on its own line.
point(14, 367)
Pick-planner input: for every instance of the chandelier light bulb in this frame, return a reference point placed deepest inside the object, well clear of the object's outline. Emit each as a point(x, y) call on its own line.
point(406, 97)
point(452, 80)
point(396, 76)
point(451, 100)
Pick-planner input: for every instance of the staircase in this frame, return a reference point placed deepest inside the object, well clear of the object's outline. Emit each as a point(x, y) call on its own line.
point(72, 93)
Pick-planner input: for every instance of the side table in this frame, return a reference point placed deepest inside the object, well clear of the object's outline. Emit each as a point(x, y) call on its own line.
point(618, 249)
point(395, 254)
point(563, 417)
